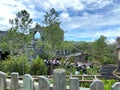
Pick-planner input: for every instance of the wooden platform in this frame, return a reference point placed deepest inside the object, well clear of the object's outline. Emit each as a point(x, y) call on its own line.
point(110, 72)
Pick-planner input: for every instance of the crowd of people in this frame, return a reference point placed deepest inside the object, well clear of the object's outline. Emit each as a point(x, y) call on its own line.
point(80, 66)
point(83, 66)
point(53, 62)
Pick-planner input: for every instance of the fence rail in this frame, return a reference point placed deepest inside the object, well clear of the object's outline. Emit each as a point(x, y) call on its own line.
point(59, 82)
point(82, 78)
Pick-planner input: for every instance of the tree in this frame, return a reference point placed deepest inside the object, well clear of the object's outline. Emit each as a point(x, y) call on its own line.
point(53, 34)
point(21, 25)
point(51, 17)
point(100, 49)
point(22, 22)
point(10, 42)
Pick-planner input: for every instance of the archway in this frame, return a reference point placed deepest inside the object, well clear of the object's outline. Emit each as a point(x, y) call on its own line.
point(37, 35)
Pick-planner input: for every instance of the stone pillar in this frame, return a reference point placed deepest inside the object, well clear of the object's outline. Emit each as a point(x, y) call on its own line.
point(116, 86)
point(2, 81)
point(59, 79)
point(43, 83)
point(28, 82)
point(74, 84)
point(14, 81)
point(97, 85)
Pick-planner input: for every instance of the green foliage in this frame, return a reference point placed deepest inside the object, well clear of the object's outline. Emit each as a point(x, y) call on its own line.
point(20, 31)
point(108, 60)
point(38, 67)
point(86, 85)
point(22, 22)
point(15, 65)
point(99, 48)
point(3, 44)
point(108, 84)
point(103, 52)
point(7, 89)
point(94, 70)
point(52, 33)
point(2, 64)
point(21, 65)
point(51, 17)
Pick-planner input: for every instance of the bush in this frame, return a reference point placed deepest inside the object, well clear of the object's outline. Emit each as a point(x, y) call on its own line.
point(109, 60)
point(108, 84)
point(21, 65)
point(38, 67)
point(18, 64)
point(94, 70)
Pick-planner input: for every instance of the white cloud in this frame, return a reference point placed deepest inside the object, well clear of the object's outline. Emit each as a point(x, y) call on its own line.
point(64, 15)
point(111, 41)
point(63, 5)
point(47, 5)
point(90, 20)
point(111, 34)
point(6, 12)
point(67, 22)
point(86, 21)
point(9, 8)
point(96, 4)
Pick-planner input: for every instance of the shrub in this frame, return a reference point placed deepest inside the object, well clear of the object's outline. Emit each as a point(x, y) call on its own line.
point(38, 67)
point(108, 84)
point(18, 64)
point(94, 70)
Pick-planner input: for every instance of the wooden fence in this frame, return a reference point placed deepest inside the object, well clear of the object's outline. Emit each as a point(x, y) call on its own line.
point(59, 82)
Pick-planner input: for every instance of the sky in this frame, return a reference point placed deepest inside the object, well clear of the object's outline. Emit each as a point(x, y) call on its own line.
point(82, 20)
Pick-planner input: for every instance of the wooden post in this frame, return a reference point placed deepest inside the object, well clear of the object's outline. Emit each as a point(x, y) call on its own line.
point(59, 78)
point(43, 83)
point(116, 86)
point(97, 85)
point(14, 81)
point(2, 81)
point(74, 84)
point(28, 82)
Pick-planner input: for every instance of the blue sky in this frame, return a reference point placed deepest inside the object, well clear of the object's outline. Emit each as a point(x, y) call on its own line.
point(82, 20)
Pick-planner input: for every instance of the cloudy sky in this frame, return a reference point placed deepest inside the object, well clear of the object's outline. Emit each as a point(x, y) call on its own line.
point(82, 20)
